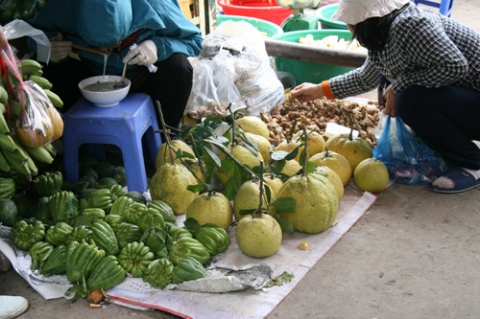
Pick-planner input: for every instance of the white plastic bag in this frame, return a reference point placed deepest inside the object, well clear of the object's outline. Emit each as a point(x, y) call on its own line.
point(238, 47)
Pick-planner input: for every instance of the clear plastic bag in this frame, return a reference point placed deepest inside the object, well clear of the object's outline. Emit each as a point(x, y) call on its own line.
point(214, 88)
point(34, 126)
point(238, 47)
point(408, 159)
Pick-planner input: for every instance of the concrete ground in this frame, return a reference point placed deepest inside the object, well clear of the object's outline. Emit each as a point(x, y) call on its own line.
point(414, 254)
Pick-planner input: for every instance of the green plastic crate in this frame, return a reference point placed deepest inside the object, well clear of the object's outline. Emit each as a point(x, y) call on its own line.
point(309, 71)
point(266, 27)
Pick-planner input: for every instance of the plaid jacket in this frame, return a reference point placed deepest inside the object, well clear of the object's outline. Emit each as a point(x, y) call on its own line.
point(423, 48)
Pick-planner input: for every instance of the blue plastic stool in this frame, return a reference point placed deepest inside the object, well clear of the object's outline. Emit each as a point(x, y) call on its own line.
point(123, 125)
point(445, 6)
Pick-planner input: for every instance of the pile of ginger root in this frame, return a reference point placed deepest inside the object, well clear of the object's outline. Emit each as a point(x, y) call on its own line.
point(316, 114)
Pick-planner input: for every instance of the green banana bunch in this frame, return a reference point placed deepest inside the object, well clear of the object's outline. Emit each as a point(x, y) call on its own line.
point(3, 95)
point(54, 98)
point(215, 239)
point(81, 260)
point(186, 246)
point(59, 234)
point(16, 157)
point(42, 82)
point(40, 154)
point(55, 263)
point(159, 273)
point(40, 251)
point(30, 67)
point(135, 258)
point(107, 274)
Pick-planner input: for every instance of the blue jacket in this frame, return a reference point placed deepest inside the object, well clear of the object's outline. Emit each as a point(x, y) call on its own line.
point(105, 23)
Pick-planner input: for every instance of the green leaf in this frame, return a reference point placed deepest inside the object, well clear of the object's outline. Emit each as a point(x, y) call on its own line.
point(196, 188)
point(219, 142)
point(252, 149)
point(213, 156)
point(180, 154)
point(284, 205)
point(277, 166)
point(311, 167)
point(191, 224)
point(285, 224)
point(246, 211)
point(268, 192)
point(293, 153)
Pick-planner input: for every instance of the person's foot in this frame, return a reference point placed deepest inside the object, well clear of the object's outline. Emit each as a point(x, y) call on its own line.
point(456, 180)
point(12, 306)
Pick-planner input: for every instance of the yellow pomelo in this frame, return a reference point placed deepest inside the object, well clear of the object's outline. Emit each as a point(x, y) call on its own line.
point(332, 177)
point(258, 237)
point(244, 156)
point(289, 146)
point(195, 167)
point(316, 202)
point(316, 143)
point(275, 183)
point(263, 144)
point(337, 162)
point(169, 184)
point(371, 175)
point(354, 149)
point(253, 124)
point(248, 198)
point(212, 208)
point(163, 154)
point(291, 168)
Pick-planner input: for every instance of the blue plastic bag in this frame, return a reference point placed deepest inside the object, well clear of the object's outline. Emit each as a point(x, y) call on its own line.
point(408, 159)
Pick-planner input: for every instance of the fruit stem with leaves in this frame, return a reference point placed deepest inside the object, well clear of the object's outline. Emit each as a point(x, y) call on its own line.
point(350, 120)
point(305, 151)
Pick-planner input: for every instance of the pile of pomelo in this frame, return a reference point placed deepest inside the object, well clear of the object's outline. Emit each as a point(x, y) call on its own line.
point(236, 179)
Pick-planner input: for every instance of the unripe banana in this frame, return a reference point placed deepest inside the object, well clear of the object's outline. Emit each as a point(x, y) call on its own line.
point(11, 79)
point(29, 66)
point(49, 147)
point(7, 143)
point(4, 165)
point(39, 153)
point(3, 124)
point(54, 98)
point(15, 107)
point(29, 161)
point(18, 163)
point(44, 83)
point(3, 95)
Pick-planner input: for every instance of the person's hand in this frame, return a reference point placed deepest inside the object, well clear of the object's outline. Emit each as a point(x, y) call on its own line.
point(307, 92)
point(60, 49)
point(144, 54)
point(390, 107)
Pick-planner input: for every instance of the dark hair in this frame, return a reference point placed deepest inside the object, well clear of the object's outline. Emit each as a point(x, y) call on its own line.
point(373, 32)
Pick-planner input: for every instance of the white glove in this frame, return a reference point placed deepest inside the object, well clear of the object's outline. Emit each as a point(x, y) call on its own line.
point(144, 54)
point(60, 49)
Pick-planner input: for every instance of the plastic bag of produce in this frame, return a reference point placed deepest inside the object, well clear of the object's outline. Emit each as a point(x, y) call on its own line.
point(213, 87)
point(28, 103)
point(408, 159)
point(238, 47)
